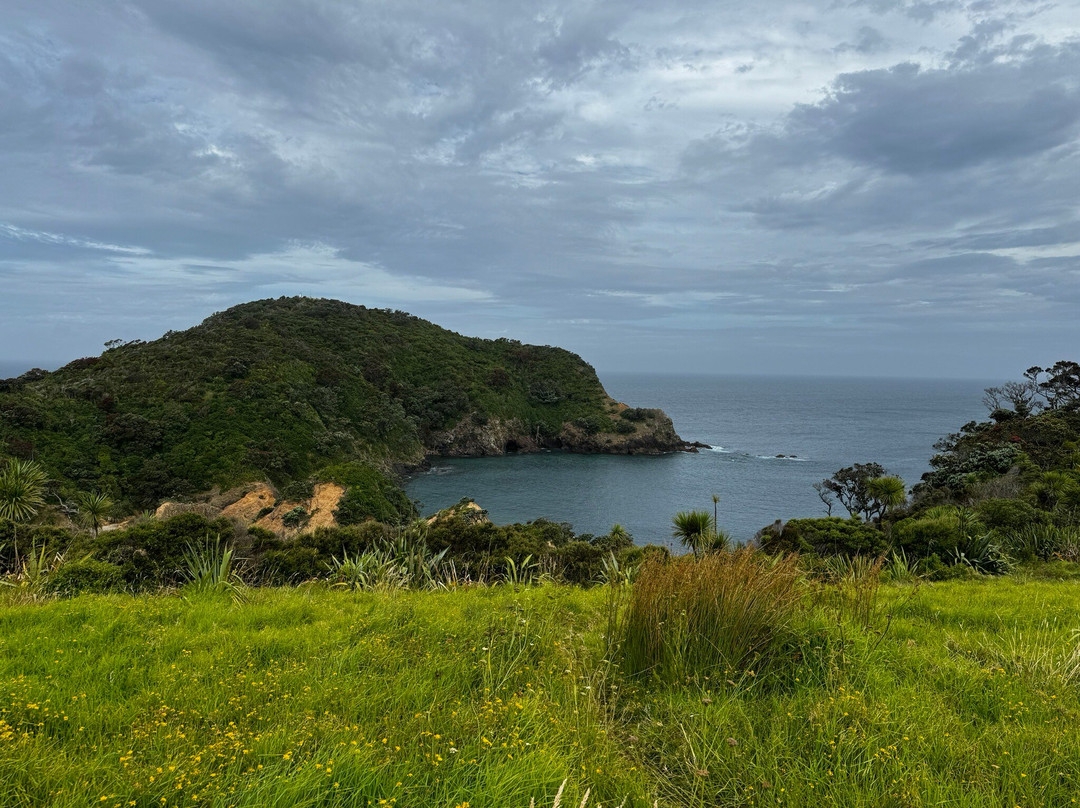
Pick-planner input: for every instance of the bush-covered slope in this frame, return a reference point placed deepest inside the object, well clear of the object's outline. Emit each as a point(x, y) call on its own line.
point(279, 389)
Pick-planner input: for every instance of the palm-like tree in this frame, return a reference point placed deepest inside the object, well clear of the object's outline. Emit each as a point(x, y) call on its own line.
point(888, 492)
point(716, 511)
point(22, 493)
point(717, 541)
point(93, 509)
point(694, 529)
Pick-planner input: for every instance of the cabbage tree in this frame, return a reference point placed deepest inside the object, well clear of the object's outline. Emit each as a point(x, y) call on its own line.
point(22, 494)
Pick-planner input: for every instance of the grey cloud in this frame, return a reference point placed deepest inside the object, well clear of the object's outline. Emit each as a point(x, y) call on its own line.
point(924, 11)
point(619, 178)
point(868, 40)
point(913, 121)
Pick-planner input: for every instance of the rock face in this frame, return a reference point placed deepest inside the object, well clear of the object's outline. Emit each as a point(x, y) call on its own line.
point(648, 432)
point(656, 435)
point(471, 439)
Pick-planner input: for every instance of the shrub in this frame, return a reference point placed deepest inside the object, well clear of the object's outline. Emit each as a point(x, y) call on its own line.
point(580, 562)
point(1008, 514)
point(722, 612)
point(934, 569)
point(369, 494)
point(85, 575)
point(927, 536)
point(298, 490)
point(827, 536)
point(308, 555)
point(295, 517)
point(616, 539)
point(151, 553)
point(591, 424)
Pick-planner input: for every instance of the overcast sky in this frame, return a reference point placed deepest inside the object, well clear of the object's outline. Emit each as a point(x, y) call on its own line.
point(878, 187)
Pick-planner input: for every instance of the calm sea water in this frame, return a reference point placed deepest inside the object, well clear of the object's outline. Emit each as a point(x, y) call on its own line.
point(825, 423)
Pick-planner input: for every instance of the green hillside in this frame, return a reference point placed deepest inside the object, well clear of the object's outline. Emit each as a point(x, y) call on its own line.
point(281, 389)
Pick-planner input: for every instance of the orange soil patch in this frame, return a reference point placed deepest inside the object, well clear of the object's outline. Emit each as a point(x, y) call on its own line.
point(320, 508)
point(248, 507)
point(322, 505)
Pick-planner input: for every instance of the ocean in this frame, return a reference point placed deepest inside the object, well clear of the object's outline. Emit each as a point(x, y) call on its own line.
point(819, 424)
point(10, 368)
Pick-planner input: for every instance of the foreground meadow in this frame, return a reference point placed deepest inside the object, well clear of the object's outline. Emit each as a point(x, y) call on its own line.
point(964, 694)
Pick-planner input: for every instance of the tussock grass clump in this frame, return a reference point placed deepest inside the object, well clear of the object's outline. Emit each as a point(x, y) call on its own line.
point(851, 588)
point(723, 611)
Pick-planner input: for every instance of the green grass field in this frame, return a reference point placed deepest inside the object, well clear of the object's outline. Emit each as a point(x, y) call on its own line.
point(960, 694)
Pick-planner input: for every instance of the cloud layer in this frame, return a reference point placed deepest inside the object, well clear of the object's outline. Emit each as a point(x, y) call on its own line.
point(881, 186)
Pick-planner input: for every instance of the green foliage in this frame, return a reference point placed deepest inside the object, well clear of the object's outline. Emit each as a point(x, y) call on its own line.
point(208, 570)
point(581, 562)
point(87, 575)
point(618, 538)
point(278, 389)
point(151, 554)
point(1056, 489)
point(369, 494)
point(1042, 542)
point(985, 553)
point(308, 555)
point(695, 530)
point(927, 536)
point(94, 509)
point(829, 536)
point(886, 494)
point(22, 494)
point(592, 424)
point(405, 562)
point(22, 490)
point(1040, 435)
point(1008, 514)
point(295, 517)
point(865, 491)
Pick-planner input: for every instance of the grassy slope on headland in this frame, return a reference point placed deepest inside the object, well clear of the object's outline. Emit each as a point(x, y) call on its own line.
point(491, 696)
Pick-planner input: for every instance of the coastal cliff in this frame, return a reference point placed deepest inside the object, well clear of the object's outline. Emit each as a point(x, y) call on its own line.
point(653, 435)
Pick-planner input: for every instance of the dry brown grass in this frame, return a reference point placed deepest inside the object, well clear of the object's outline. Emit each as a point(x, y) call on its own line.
point(722, 612)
